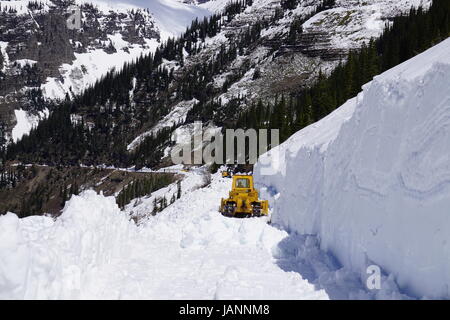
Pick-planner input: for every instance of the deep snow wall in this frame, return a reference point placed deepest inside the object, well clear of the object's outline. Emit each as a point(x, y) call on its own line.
point(41, 258)
point(372, 180)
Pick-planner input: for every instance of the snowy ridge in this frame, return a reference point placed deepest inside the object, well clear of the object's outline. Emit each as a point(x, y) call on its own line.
point(82, 240)
point(354, 21)
point(375, 190)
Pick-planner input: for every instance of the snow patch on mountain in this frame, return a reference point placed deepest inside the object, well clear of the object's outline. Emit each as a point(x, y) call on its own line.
point(175, 116)
point(89, 67)
point(171, 19)
point(25, 62)
point(371, 180)
point(25, 122)
point(3, 46)
point(214, 5)
point(23, 125)
point(353, 21)
point(172, 16)
point(21, 6)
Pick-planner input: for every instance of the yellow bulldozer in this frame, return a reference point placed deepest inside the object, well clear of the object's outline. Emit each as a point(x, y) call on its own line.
point(228, 173)
point(243, 200)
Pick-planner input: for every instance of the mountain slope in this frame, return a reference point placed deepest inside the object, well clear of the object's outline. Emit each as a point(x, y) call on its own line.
point(44, 61)
point(253, 50)
point(371, 179)
point(173, 17)
point(279, 59)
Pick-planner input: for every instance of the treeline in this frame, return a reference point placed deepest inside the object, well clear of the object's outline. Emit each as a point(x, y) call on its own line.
point(406, 37)
point(197, 83)
point(143, 187)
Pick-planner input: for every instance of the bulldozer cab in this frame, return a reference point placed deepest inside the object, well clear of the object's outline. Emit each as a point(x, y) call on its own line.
point(242, 182)
point(227, 173)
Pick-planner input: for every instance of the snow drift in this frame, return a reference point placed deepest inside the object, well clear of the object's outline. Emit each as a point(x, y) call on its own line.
point(372, 179)
point(42, 258)
point(187, 251)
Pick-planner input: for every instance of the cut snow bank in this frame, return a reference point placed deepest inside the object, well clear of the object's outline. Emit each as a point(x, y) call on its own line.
point(372, 179)
point(40, 258)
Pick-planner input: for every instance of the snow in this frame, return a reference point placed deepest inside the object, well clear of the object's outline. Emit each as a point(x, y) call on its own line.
point(188, 251)
point(88, 67)
point(107, 6)
point(26, 122)
point(21, 6)
point(176, 115)
point(372, 179)
point(172, 17)
point(25, 62)
point(22, 127)
point(215, 5)
point(3, 46)
point(351, 21)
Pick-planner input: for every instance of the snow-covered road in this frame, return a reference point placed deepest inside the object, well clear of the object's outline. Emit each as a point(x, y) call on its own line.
point(188, 251)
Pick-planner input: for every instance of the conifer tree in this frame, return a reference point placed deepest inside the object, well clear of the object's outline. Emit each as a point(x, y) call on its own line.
point(179, 189)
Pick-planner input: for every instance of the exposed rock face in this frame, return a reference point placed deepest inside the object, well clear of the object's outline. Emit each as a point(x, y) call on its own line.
point(319, 42)
point(35, 42)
